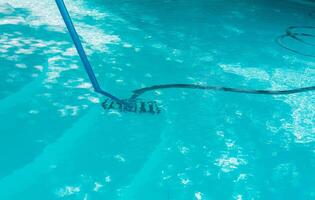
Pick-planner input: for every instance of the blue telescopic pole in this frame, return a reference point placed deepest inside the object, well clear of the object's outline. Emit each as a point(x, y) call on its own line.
point(76, 40)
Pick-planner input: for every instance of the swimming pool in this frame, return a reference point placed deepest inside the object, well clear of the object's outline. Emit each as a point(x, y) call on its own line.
point(58, 143)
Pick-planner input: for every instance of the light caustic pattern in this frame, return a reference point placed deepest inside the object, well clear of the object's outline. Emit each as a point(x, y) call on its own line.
point(58, 143)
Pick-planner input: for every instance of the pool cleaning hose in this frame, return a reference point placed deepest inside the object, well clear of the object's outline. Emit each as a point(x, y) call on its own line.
point(134, 104)
point(294, 33)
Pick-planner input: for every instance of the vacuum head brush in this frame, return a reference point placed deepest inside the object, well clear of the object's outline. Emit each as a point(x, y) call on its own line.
point(134, 106)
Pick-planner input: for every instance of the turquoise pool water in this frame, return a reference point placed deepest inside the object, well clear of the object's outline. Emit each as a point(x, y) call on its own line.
point(56, 141)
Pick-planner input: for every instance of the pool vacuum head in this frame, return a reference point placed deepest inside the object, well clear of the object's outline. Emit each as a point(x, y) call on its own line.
point(134, 106)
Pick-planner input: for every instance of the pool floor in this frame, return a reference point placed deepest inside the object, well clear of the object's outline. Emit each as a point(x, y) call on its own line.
point(57, 142)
